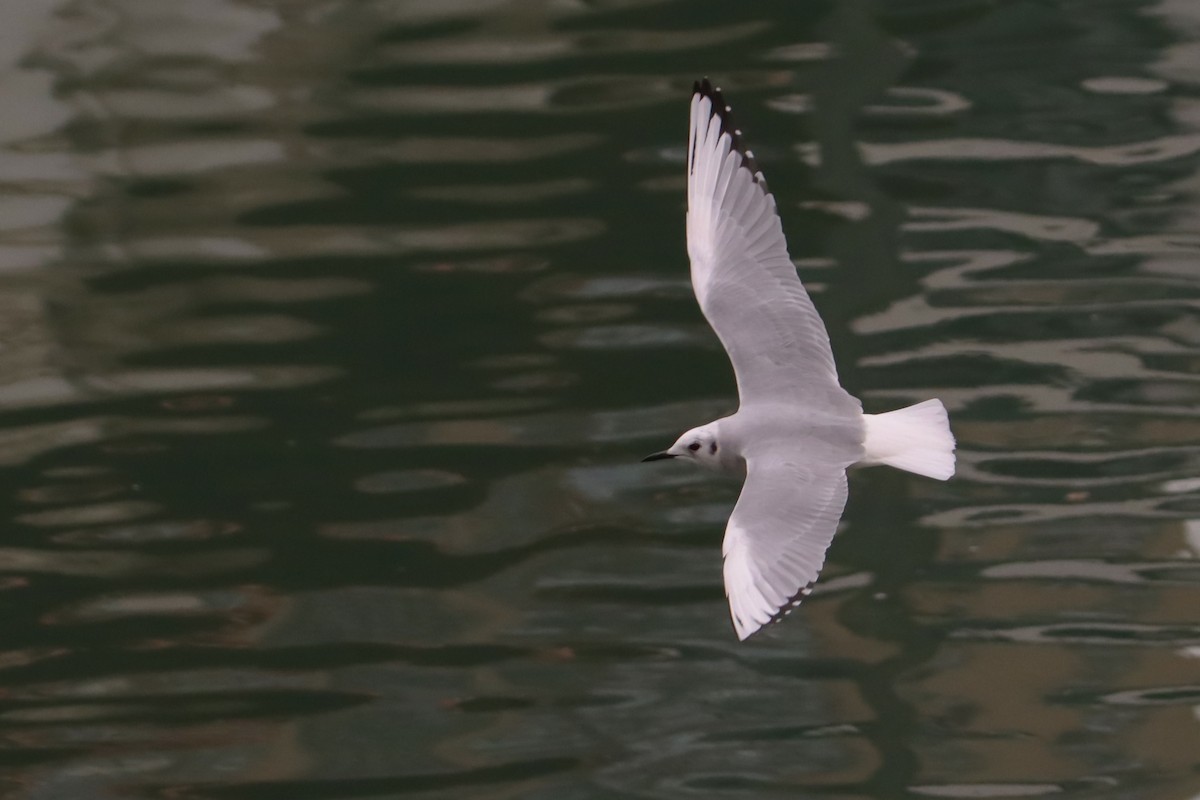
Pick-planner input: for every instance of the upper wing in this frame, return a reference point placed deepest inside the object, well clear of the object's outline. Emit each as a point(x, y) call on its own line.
point(777, 536)
point(741, 272)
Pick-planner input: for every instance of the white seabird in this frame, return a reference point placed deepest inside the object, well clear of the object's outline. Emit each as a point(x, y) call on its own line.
point(796, 430)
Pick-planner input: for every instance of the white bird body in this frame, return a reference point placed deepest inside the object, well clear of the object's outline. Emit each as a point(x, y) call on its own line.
point(796, 430)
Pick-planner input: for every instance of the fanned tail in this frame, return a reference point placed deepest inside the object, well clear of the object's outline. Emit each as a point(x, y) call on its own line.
point(916, 439)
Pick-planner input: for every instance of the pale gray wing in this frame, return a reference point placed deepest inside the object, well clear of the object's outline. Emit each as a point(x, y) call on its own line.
point(741, 272)
point(778, 533)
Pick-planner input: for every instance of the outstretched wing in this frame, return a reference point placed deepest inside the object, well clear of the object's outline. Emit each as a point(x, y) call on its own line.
point(778, 533)
point(741, 272)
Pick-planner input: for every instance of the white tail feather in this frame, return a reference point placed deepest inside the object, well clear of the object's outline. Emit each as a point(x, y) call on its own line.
point(916, 439)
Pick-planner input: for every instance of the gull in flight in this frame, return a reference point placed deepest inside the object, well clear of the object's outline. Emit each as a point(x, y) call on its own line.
point(796, 430)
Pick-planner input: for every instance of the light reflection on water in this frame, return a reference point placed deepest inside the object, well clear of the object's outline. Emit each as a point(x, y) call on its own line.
point(332, 335)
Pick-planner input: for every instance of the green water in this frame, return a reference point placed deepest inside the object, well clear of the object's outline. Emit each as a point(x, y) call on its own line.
point(333, 334)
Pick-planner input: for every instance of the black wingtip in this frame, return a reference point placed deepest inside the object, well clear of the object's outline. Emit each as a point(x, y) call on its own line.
point(791, 604)
point(704, 88)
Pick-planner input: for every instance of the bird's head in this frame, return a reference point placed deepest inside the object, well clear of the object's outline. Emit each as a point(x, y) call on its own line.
point(700, 445)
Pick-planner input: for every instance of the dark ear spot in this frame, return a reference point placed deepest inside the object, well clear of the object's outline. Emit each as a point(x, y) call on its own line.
point(712, 448)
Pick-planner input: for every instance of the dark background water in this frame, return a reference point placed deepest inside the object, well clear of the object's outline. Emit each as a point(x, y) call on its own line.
point(333, 333)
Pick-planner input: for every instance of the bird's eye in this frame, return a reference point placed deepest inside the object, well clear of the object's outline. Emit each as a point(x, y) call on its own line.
point(694, 446)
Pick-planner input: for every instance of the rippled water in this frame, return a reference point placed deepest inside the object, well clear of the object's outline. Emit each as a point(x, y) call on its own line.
point(333, 333)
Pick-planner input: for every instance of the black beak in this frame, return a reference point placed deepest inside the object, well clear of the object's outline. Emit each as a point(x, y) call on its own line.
point(657, 456)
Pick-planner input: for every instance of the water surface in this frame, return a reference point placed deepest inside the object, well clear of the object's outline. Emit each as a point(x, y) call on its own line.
point(333, 333)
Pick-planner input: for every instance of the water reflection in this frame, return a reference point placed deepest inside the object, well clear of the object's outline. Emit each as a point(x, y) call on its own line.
point(332, 335)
